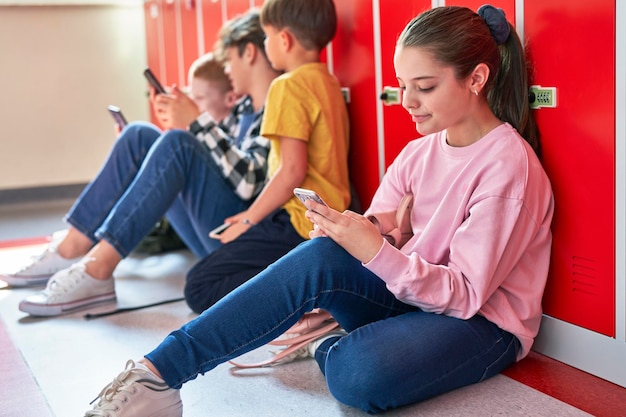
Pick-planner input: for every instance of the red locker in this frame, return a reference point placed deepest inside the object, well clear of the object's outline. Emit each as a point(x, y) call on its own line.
point(153, 21)
point(155, 52)
point(211, 22)
point(353, 58)
point(394, 16)
point(170, 73)
point(578, 138)
point(187, 32)
point(235, 7)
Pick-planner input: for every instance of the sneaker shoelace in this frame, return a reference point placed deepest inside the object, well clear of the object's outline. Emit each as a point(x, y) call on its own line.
point(35, 259)
point(62, 285)
point(117, 393)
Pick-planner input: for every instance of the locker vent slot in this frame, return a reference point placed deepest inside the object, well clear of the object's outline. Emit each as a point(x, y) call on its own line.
point(584, 275)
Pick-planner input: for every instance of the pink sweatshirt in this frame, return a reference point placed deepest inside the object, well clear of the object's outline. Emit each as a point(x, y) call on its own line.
point(481, 223)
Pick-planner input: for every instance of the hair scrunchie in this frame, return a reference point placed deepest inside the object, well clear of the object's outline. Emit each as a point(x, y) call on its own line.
point(496, 20)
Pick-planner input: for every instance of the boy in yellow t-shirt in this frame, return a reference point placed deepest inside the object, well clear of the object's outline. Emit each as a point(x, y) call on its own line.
point(306, 120)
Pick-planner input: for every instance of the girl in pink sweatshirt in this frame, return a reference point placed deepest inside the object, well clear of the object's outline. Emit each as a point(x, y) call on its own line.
point(442, 294)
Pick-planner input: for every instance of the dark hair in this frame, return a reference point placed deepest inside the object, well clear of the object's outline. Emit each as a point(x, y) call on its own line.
point(239, 32)
point(460, 38)
point(312, 22)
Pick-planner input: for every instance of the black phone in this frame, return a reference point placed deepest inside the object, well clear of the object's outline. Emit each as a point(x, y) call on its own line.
point(117, 115)
point(154, 82)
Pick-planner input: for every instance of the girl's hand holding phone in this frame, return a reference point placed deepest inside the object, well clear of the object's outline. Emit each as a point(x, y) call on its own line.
point(352, 231)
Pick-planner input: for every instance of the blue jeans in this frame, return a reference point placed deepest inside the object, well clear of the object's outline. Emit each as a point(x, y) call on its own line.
point(394, 354)
point(147, 175)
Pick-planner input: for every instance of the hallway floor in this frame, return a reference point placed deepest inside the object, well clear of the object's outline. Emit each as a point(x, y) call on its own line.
point(56, 366)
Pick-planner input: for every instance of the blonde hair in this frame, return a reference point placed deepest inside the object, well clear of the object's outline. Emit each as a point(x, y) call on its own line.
point(209, 68)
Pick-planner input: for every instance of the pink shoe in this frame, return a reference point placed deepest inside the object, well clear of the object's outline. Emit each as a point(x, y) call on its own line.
point(302, 339)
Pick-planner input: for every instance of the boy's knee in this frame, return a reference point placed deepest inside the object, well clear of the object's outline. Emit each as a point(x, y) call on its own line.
point(194, 300)
point(178, 135)
point(195, 290)
point(139, 134)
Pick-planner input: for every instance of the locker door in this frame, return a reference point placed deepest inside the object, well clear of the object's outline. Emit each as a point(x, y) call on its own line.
point(211, 22)
point(353, 61)
point(187, 31)
point(573, 47)
point(154, 42)
point(235, 7)
point(170, 73)
point(152, 13)
point(394, 16)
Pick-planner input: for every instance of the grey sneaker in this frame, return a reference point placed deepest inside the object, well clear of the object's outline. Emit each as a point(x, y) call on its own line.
point(69, 290)
point(137, 392)
point(38, 269)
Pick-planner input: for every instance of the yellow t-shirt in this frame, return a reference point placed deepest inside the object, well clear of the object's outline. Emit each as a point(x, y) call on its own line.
point(307, 104)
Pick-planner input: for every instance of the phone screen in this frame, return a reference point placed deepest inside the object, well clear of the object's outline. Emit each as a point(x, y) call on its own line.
point(303, 195)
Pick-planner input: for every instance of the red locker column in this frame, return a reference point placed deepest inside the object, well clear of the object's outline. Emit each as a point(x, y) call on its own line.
point(353, 62)
point(187, 31)
point(573, 47)
point(155, 50)
point(211, 22)
point(394, 16)
point(170, 73)
point(235, 7)
point(153, 21)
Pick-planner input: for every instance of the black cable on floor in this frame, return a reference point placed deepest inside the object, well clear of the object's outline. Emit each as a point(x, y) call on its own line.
point(90, 316)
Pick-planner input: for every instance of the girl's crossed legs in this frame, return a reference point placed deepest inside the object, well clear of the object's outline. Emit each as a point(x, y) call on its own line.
point(394, 354)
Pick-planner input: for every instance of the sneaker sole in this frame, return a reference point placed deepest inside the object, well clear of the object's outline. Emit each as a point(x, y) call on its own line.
point(48, 310)
point(17, 281)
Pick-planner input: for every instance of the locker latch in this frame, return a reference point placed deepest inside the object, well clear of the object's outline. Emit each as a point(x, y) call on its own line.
point(391, 96)
point(539, 97)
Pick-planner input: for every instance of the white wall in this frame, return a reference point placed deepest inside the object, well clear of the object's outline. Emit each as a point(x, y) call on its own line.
point(60, 66)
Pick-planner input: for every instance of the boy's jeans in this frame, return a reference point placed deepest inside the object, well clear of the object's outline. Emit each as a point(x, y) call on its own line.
point(147, 175)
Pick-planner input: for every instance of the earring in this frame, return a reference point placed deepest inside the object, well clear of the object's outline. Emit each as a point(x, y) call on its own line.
point(476, 92)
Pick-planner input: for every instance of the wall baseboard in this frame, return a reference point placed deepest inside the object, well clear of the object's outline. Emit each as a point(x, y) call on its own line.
point(40, 194)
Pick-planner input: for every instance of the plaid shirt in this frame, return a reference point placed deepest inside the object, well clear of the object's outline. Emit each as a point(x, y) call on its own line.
point(240, 155)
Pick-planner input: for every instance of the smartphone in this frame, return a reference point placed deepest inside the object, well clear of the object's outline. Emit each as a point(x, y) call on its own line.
point(303, 195)
point(117, 115)
point(154, 82)
point(215, 233)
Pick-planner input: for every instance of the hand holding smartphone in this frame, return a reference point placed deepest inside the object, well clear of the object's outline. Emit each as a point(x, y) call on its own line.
point(117, 115)
point(153, 81)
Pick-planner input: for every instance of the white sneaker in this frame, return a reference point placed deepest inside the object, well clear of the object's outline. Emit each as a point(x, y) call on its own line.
point(38, 269)
point(137, 392)
point(69, 290)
